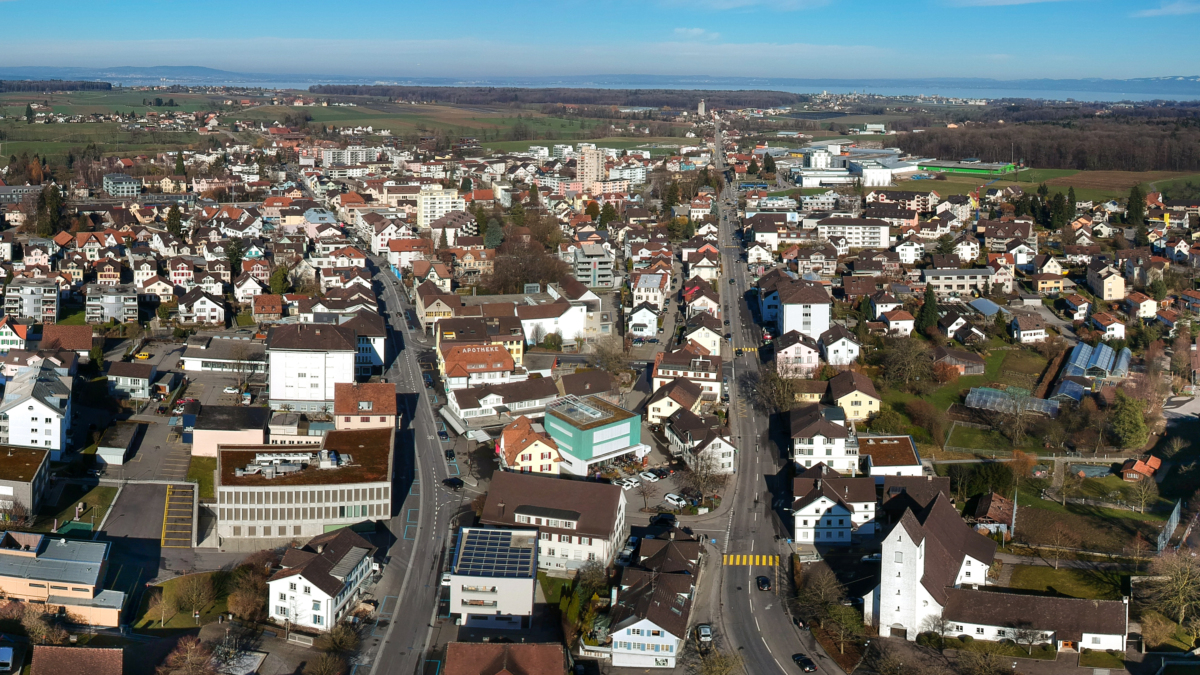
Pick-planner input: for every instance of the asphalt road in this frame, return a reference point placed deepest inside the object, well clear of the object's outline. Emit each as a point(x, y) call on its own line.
point(750, 622)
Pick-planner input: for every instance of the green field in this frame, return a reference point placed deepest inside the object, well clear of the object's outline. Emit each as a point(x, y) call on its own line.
point(1071, 583)
point(181, 619)
point(57, 140)
point(200, 471)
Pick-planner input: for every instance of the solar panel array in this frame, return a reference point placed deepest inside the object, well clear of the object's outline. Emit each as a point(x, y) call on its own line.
point(986, 398)
point(495, 553)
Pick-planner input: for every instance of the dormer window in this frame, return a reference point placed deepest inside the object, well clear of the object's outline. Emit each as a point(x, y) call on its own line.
point(365, 405)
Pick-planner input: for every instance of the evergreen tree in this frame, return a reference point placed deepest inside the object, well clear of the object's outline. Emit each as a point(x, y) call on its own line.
point(1128, 422)
point(607, 215)
point(533, 196)
point(768, 164)
point(1043, 191)
point(442, 245)
point(233, 254)
point(517, 215)
point(1141, 236)
point(945, 244)
point(1072, 201)
point(29, 113)
point(175, 221)
point(928, 314)
point(672, 196)
point(753, 168)
point(279, 280)
point(1135, 207)
point(494, 236)
point(465, 186)
point(49, 211)
point(1158, 289)
point(1000, 326)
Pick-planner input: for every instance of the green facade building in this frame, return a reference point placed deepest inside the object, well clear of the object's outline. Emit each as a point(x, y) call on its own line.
point(591, 432)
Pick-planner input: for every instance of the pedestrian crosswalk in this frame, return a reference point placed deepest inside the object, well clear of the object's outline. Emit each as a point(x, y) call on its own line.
point(751, 560)
point(748, 349)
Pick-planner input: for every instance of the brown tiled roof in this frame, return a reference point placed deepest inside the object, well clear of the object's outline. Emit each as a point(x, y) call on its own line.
point(681, 390)
point(130, 369)
point(596, 504)
point(381, 396)
point(947, 541)
point(50, 660)
point(493, 658)
point(520, 434)
point(69, 338)
point(321, 555)
point(994, 508)
point(586, 383)
point(849, 381)
point(807, 422)
point(266, 303)
point(1068, 618)
point(313, 337)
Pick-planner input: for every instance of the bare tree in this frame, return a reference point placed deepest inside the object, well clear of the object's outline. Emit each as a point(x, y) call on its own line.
point(1071, 484)
point(592, 577)
point(1014, 416)
point(704, 475)
point(1143, 492)
point(884, 660)
point(1025, 634)
point(194, 592)
point(1175, 445)
point(326, 664)
point(821, 586)
point(986, 658)
point(162, 603)
point(844, 626)
point(939, 625)
point(1061, 536)
point(1177, 591)
point(609, 355)
point(341, 639)
point(1137, 548)
point(190, 657)
point(645, 491)
point(770, 392)
point(716, 662)
point(1156, 629)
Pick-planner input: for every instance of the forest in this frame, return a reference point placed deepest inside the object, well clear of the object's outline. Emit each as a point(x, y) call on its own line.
point(680, 99)
point(1119, 143)
point(53, 85)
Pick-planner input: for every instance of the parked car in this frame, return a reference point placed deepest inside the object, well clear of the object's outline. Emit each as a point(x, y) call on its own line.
point(874, 557)
point(648, 477)
point(675, 500)
point(142, 356)
point(623, 484)
point(230, 390)
point(704, 632)
point(764, 583)
point(449, 454)
point(443, 436)
point(445, 578)
point(662, 473)
point(454, 483)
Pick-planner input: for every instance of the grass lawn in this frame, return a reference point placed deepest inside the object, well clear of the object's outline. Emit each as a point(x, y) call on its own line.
point(1044, 652)
point(75, 318)
point(1071, 583)
point(183, 619)
point(200, 471)
point(1093, 528)
point(98, 500)
point(989, 439)
point(246, 320)
point(552, 587)
point(1095, 659)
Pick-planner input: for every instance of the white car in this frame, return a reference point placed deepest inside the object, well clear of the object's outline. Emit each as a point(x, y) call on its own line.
point(230, 390)
point(446, 579)
point(624, 484)
point(648, 477)
point(633, 481)
point(675, 500)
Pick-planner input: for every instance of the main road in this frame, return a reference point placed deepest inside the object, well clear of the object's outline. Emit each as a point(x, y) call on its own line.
point(753, 623)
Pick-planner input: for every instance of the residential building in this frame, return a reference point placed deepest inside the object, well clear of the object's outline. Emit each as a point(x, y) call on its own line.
point(705, 330)
point(121, 185)
point(829, 509)
point(650, 615)
point(959, 282)
point(899, 322)
point(577, 521)
point(525, 447)
point(822, 435)
point(1047, 284)
point(590, 431)
point(32, 298)
point(882, 456)
point(1105, 280)
point(76, 339)
point(44, 569)
point(1140, 305)
point(435, 201)
point(305, 363)
point(702, 442)
point(199, 306)
point(1113, 329)
point(1028, 328)
point(493, 404)
point(692, 362)
point(839, 347)
point(13, 335)
point(493, 574)
point(493, 658)
point(131, 379)
point(805, 307)
point(593, 266)
point(24, 478)
point(365, 405)
point(1077, 307)
point(36, 410)
point(269, 496)
point(108, 303)
point(321, 582)
point(650, 288)
point(796, 355)
point(859, 232)
point(678, 394)
point(472, 365)
point(855, 394)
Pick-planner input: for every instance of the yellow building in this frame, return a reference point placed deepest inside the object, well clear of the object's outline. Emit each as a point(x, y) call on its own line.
point(855, 394)
point(525, 449)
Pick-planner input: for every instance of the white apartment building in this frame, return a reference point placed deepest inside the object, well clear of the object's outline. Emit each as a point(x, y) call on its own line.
point(36, 410)
point(305, 361)
point(636, 175)
point(320, 582)
point(822, 435)
point(591, 166)
point(805, 308)
point(859, 232)
point(354, 154)
point(492, 577)
point(955, 283)
point(829, 510)
point(435, 201)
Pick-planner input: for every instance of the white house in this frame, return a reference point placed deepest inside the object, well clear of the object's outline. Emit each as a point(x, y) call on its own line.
point(1112, 328)
point(796, 355)
point(1140, 305)
point(883, 302)
point(701, 441)
point(829, 510)
point(882, 456)
point(804, 307)
point(1028, 328)
point(910, 251)
point(839, 347)
point(759, 254)
point(643, 321)
point(197, 306)
point(821, 435)
point(320, 583)
point(305, 361)
point(36, 410)
point(899, 322)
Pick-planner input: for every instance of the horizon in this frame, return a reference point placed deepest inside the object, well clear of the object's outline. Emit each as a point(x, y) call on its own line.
point(815, 39)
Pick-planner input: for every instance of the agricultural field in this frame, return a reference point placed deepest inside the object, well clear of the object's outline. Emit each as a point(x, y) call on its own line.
point(55, 141)
point(1089, 185)
point(88, 102)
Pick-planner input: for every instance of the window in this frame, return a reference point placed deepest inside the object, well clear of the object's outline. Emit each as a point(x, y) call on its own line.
point(316, 605)
point(1095, 639)
point(281, 610)
point(899, 556)
point(283, 596)
point(979, 630)
point(999, 632)
point(291, 587)
point(308, 590)
point(318, 620)
point(968, 574)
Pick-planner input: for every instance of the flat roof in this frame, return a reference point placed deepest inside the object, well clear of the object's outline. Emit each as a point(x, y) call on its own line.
point(508, 554)
point(232, 417)
point(58, 559)
point(369, 449)
point(889, 450)
point(586, 413)
point(20, 464)
point(119, 435)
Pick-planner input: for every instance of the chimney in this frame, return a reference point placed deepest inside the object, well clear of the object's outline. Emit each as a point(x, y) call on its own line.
point(671, 535)
point(320, 548)
point(501, 505)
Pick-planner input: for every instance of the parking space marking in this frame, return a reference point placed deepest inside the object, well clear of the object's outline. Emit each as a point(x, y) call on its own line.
point(410, 532)
point(456, 472)
point(413, 514)
point(177, 517)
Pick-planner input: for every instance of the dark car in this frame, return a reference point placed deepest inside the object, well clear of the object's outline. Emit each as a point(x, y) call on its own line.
point(805, 663)
point(661, 473)
point(764, 584)
point(443, 436)
point(664, 519)
point(449, 454)
point(726, 322)
point(732, 282)
point(454, 483)
point(428, 381)
point(738, 352)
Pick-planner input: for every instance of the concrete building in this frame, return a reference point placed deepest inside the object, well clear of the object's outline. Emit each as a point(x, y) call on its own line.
point(959, 283)
point(492, 578)
point(24, 474)
point(859, 232)
point(105, 303)
point(829, 509)
point(882, 456)
point(590, 165)
point(228, 425)
point(435, 201)
point(319, 584)
point(121, 185)
point(131, 379)
point(58, 571)
point(35, 299)
point(269, 495)
point(593, 266)
point(305, 363)
point(365, 406)
point(591, 432)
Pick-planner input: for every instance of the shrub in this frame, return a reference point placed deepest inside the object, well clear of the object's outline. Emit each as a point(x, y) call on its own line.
point(966, 639)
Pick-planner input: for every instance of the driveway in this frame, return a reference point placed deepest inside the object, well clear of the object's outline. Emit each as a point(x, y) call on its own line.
point(1064, 328)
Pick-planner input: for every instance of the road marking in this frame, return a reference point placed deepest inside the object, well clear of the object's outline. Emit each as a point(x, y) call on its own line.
point(409, 532)
point(751, 560)
point(412, 513)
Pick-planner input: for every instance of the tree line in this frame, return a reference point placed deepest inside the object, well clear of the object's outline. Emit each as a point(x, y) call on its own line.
point(683, 99)
point(53, 85)
point(1123, 144)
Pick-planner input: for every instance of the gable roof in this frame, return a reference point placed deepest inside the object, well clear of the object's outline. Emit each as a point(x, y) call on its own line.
point(52, 660)
point(69, 338)
point(494, 658)
point(325, 558)
point(848, 382)
point(380, 395)
point(948, 539)
point(1067, 618)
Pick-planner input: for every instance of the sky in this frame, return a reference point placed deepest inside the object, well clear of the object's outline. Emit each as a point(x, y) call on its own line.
point(1002, 39)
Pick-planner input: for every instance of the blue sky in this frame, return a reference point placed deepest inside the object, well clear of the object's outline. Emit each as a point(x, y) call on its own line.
point(771, 38)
